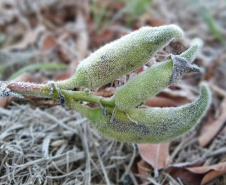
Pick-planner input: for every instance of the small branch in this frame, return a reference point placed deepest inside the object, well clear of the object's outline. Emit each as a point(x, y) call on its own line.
point(20, 89)
point(27, 89)
point(88, 97)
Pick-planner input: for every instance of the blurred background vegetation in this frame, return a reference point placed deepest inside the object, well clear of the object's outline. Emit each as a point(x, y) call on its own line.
point(45, 144)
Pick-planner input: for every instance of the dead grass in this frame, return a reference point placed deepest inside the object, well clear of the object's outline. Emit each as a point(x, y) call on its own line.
point(55, 145)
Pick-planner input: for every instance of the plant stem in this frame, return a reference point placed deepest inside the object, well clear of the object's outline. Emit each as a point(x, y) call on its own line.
point(83, 96)
point(91, 113)
point(30, 89)
point(49, 91)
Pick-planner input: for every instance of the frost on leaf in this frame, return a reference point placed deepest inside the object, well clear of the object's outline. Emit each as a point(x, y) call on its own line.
point(153, 125)
point(123, 55)
point(159, 76)
point(180, 67)
point(52, 85)
point(5, 91)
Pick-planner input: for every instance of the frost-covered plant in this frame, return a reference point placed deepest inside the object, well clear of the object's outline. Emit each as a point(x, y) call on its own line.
point(120, 117)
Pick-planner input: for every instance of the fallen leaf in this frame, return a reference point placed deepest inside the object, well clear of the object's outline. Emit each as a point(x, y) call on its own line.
point(212, 127)
point(220, 74)
point(71, 70)
point(143, 169)
point(82, 40)
point(63, 48)
point(116, 5)
point(48, 42)
point(185, 175)
point(215, 72)
point(171, 98)
point(102, 38)
point(63, 76)
point(4, 102)
point(157, 155)
point(196, 175)
point(211, 172)
point(29, 39)
point(146, 19)
point(179, 97)
point(160, 102)
point(106, 92)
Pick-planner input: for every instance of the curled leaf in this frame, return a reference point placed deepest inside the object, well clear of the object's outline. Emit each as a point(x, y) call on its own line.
point(212, 127)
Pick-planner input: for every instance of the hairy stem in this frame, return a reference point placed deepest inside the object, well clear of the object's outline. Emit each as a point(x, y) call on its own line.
point(48, 91)
point(90, 113)
point(83, 96)
point(28, 89)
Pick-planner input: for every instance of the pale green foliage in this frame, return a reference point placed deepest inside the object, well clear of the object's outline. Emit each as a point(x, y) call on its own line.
point(209, 19)
point(192, 51)
point(145, 86)
point(151, 125)
point(159, 76)
point(118, 117)
point(121, 56)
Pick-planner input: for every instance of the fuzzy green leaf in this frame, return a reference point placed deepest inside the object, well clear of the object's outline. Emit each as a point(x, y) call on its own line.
point(159, 76)
point(121, 56)
point(150, 125)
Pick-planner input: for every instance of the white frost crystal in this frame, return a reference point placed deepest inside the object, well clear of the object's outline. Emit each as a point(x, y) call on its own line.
point(154, 125)
point(159, 76)
point(5, 91)
point(121, 56)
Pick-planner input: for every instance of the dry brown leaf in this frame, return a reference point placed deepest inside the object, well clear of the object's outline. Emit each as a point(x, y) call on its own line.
point(210, 129)
point(178, 98)
point(146, 19)
point(180, 92)
point(211, 69)
point(160, 102)
point(116, 5)
point(29, 39)
point(171, 98)
point(220, 74)
point(82, 40)
point(63, 76)
point(101, 38)
point(48, 42)
point(64, 50)
point(196, 175)
point(70, 71)
point(64, 54)
point(106, 92)
point(210, 172)
point(157, 155)
point(4, 102)
point(143, 169)
point(185, 175)
point(215, 72)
